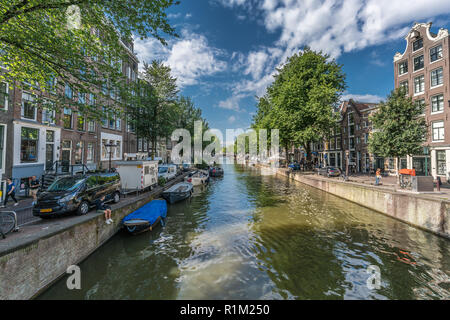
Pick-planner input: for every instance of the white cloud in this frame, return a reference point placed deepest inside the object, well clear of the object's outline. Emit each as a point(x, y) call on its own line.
point(232, 103)
point(362, 98)
point(333, 26)
point(231, 119)
point(189, 57)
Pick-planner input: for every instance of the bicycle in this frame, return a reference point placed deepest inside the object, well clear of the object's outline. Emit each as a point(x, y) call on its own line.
point(8, 223)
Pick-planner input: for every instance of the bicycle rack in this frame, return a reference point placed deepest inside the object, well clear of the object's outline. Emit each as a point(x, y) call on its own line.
point(16, 227)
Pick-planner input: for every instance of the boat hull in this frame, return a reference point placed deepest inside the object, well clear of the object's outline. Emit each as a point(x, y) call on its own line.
point(173, 197)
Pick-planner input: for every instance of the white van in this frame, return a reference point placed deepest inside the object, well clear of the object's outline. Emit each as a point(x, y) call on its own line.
point(167, 171)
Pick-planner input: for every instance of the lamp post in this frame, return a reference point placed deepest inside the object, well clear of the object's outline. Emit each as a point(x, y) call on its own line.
point(110, 146)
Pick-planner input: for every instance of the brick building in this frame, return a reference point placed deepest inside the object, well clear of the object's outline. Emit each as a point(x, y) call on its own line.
point(423, 69)
point(351, 136)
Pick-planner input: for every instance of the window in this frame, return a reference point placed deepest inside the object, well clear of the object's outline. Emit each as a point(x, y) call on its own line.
point(118, 123)
point(48, 113)
point(104, 151)
point(78, 153)
point(4, 96)
point(418, 63)
point(403, 67)
point(104, 120)
point(418, 44)
point(91, 126)
point(50, 136)
point(80, 122)
point(90, 153)
point(419, 84)
point(29, 145)
point(436, 53)
point(51, 84)
point(28, 107)
point(92, 100)
point(68, 91)
point(437, 103)
point(67, 118)
point(140, 141)
point(404, 86)
point(118, 150)
point(420, 104)
point(437, 77)
point(82, 98)
point(441, 162)
point(438, 131)
point(352, 143)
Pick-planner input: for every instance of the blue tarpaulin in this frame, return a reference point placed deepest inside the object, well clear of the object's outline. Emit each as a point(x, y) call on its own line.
point(150, 212)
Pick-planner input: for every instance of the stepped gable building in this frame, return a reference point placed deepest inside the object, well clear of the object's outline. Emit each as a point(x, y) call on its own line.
point(423, 70)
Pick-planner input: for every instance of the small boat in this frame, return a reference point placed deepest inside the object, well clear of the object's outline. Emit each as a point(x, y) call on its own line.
point(178, 192)
point(198, 178)
point(147, 217)
point(216, 172)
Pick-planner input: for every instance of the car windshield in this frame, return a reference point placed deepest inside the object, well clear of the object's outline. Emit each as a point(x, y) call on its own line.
point(65, 184)
point(162, 170)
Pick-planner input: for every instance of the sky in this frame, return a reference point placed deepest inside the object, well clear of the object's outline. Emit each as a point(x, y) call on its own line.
point(228, 50)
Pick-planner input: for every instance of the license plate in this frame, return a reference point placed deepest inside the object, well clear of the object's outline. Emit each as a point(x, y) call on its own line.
point(46, 210)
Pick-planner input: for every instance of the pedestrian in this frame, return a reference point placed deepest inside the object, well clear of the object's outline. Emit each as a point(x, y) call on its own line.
point(10, 192)
point(378, 177)
point(34, 188)
point(102, 208)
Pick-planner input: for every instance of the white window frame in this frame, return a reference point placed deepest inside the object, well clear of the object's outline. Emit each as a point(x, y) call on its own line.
point(443, 105)
point(421, 85)
point(398, 66)
point(440, 131)
point(22, 110)
point(431, 78)
point(442, 53)
point(7, 96)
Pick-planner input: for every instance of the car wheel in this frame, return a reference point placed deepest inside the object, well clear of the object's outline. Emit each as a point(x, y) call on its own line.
point(116, 197)
point(83, 208)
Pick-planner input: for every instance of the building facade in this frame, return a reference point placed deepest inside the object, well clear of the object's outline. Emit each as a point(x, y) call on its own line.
point(423, 70)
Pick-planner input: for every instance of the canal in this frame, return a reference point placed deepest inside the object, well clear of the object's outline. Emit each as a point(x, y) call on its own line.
point(254, 236)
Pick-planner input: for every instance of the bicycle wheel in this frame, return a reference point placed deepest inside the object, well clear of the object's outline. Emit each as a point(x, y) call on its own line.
point(7, 222)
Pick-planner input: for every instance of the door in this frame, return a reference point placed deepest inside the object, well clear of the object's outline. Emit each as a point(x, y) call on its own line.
point(66, 155)
point(92, 187)
point(49, 152)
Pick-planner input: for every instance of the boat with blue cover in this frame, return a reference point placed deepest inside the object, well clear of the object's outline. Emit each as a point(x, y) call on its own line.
point(178, 192)
point(147, 217)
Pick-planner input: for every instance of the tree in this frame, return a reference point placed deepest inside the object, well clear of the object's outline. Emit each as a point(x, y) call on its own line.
point(399, 126)
point(302, 99)
point(41, 41)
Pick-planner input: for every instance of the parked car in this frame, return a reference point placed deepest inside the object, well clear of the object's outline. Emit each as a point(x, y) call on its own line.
point(186, 166)
point(167, 171)
point(77, 194)
point(329, 171)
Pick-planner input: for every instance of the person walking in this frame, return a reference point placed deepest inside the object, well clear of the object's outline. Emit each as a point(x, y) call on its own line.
point(34, 188)
point(10, 192)
point(378, 177)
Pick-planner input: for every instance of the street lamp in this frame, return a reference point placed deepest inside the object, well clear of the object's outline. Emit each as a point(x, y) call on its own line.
point(110, 146)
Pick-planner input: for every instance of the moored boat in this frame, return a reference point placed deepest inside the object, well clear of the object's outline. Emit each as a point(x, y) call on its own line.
point(216, 172)
point(178, 192)
point(198, 178)
point(146, 218)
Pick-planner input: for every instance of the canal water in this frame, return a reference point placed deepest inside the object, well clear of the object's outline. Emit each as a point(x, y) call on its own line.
point(254, 236)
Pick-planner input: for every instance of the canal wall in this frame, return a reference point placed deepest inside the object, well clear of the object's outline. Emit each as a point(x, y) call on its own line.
point(420, 210)
point(31, 265)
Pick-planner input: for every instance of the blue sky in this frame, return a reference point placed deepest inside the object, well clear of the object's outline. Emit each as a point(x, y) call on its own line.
point(228, 50)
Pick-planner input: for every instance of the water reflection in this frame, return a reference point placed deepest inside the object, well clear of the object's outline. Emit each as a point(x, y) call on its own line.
point(250, 236)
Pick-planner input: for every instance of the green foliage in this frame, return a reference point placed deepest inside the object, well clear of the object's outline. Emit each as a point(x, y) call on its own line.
point(399, 126)
point(302, 99)
point(155, 110)
point(37, 45)
point(162, 181)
